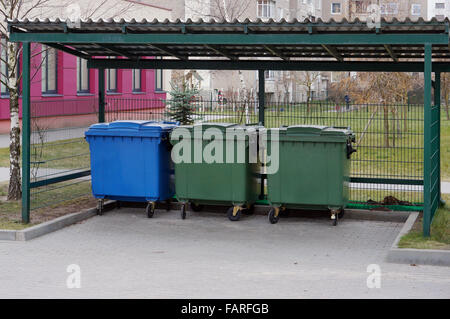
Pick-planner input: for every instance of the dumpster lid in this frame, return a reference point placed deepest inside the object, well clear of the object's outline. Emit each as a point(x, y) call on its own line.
point(220, 126)
point(135, 125)
point(337, 131)
point(305, 129)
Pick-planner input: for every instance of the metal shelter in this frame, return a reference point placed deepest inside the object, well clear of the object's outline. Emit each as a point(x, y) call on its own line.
point(390, 46)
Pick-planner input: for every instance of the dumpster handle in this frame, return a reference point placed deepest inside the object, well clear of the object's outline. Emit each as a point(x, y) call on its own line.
point(350, 149)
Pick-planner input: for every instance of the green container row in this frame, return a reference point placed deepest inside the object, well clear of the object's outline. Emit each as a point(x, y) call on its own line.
point(307, 167)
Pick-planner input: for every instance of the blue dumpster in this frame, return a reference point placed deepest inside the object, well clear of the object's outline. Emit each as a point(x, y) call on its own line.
point(130, 161)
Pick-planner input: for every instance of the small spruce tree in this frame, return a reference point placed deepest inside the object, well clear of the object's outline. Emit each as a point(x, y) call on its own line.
point(180, 107)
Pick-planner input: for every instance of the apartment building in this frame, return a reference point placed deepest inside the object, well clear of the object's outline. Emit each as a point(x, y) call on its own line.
point(213, 82)
point(64, 81)
point(352, 9)
point(439, 9)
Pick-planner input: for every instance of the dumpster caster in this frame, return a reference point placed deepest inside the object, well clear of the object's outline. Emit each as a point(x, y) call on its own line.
point(183, 211)
point(100, 207)
point(168, 202)
point(234, 213)
point(118, 204)
point(334, 217)
point(195, 207)
point(150, 209)
point(274, 215)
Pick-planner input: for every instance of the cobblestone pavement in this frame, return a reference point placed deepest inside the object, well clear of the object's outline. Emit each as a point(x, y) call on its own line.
point(124, 254)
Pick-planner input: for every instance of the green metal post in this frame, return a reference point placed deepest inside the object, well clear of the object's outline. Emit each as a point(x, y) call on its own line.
point(427, 141)
point(437, 103)
point(261, 104)
point(101, 95)
point(26, 133)
point(261, 96)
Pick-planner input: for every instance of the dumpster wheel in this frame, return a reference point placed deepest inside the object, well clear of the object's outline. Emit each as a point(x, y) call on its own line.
point(335, 215)
point(234, 213)
point(150, 209)
point(183, 211)
point(274, 215)
point(100, 204)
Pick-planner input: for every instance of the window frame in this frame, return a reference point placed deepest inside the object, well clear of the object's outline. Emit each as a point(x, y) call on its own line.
point(80, 89)
point(340, 8)
point(133, 72)
point(108, 78)
point(46, 69)
point(4, 50)
point(159, 71)
point(269, 5)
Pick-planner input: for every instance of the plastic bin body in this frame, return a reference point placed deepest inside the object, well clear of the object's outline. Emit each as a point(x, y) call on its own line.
point(314, 168)
point(217, 183)
point(130, 160)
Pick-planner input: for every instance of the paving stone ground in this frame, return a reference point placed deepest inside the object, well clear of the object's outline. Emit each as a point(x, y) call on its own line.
point(124, 254)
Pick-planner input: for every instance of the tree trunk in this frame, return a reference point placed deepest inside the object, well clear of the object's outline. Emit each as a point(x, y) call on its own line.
point(386, 126)
point(14, 190)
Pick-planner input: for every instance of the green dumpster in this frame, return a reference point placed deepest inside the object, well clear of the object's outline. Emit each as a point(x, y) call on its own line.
point(314, 168)
point(231, 179)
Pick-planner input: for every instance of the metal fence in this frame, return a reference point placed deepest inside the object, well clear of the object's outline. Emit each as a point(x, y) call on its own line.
point(389, 139)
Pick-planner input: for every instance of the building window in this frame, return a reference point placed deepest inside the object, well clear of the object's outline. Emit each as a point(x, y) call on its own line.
point(159, 78)
point(440, 17)
point(266, 8)
point(3, 68)
point(440, 5)
point(49, 70)
point(361, 7)
point(111, 79)
point(416, 9)
point(82, 76)
point(269, 75)
point(137, 82)
point(390, 8)
point(335, 8)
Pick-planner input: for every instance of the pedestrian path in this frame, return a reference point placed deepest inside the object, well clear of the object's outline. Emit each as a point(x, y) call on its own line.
point(51, 135)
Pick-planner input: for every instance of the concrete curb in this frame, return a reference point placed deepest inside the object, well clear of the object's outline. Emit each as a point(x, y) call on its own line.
point(416, 256)
point(52, 225)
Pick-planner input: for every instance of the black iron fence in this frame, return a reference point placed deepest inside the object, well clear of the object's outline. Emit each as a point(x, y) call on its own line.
point(389, 139)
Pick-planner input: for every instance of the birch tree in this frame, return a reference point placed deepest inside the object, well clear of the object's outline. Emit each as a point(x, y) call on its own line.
point(11, 76)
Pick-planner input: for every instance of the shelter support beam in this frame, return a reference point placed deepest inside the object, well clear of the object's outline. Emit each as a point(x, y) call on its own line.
point(437, 104)
point(427, 210)
point(26, 134)
point(261, 96)
point(277, 65)
point(261, 104)
point(391, 52)
point(333, 52)
point(101, 95)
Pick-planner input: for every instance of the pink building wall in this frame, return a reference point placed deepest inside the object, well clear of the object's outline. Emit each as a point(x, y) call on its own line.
point(67, 90)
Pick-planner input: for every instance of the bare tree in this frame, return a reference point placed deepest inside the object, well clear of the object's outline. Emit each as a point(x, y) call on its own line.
point(306, 79)
point(10, 56)
point(218, 9)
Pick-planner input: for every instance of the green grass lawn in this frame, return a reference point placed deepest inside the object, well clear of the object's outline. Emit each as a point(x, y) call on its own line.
point(440, 231)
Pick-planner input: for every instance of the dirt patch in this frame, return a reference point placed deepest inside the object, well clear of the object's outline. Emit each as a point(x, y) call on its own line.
point(45, 214)
point(10, 211)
